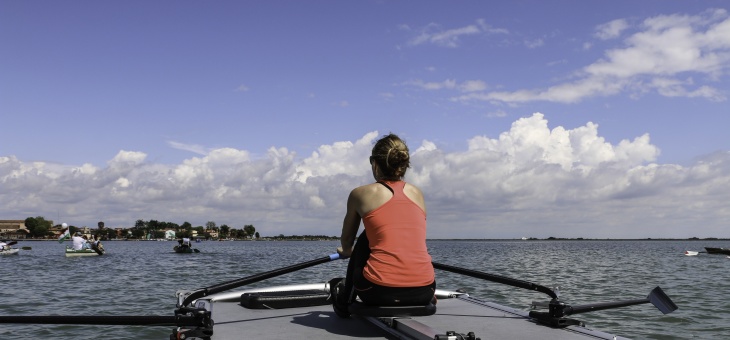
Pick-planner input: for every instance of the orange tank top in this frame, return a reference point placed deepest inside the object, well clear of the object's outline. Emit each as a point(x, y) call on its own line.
point(396, 232)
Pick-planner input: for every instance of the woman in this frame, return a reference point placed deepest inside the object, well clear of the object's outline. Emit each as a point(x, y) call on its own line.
point(390, 264)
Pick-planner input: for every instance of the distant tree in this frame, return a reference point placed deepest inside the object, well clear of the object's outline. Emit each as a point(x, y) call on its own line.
point(154, 224)
point(138, 232)
point(139, 224)
point(249, 229)
point(186, 225)
point(100, 225)
point(210, 225)
point(37, 226)
point(257, 235)
point(225, 229)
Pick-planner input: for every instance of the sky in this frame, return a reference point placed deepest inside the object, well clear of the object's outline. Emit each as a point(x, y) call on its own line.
point(593, 119)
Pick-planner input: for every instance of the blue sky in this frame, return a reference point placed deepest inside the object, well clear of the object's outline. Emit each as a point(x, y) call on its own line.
point(524, 118)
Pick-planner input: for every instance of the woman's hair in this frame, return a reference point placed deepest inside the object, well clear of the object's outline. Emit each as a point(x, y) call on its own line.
point(391, 155)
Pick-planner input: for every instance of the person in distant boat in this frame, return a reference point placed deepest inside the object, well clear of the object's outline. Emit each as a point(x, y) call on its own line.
point(4, 246)
point(86, 244)
point(94, 242)
point(78, 241)
point(184, 243)
point(390, 264)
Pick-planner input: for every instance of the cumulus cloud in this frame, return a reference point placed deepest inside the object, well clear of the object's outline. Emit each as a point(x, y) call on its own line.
point(662, 54)
point(531, 180)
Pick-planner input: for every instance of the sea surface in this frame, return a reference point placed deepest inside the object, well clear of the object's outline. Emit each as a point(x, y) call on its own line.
point(141, 277)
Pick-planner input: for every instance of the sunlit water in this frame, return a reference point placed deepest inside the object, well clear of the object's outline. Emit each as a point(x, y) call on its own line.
point(140, 278)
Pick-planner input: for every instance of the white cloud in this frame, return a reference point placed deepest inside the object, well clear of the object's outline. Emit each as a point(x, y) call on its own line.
point(446, 84)
point(611, 29)
point(194, 148)
point(436, 35)
point(667, 49)
point(532, 180)
point(534, 43)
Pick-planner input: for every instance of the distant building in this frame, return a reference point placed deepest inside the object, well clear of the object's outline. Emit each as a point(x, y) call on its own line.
point(213, 233)
point(13, 229)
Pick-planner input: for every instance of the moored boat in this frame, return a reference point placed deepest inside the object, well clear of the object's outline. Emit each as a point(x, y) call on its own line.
point(724, 251)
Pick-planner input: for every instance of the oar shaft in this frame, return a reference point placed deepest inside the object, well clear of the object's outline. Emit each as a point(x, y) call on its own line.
point(255, 278)
point(601, 306)
point(263, 276)
point(497, 278)
point(143, 320)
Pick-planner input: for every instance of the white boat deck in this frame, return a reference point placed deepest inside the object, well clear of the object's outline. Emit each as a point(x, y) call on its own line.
point(462, 315)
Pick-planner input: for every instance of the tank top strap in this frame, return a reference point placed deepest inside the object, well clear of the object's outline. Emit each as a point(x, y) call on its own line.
point(396, 187)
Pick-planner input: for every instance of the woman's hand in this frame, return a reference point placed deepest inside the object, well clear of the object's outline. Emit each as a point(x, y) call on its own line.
point(343, 253)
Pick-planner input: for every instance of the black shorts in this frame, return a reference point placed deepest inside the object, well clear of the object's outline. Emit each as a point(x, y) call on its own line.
point(374, 294)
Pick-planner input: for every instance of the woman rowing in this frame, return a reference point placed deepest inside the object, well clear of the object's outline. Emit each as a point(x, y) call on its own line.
point(389, 265)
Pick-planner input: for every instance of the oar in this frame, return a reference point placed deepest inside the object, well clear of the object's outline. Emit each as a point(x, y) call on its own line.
point(185, 298)
point(656, 297)
point(142, 320)
point(497, 278)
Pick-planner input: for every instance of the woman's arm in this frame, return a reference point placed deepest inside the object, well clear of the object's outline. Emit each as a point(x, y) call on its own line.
point(350, 225)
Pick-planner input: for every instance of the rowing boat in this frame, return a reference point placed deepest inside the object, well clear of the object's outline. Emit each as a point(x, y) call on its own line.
point(70, 252)
point(184, 249)
point(724, 251)
point(95, 250)
point(305, 311)
point(11, 251)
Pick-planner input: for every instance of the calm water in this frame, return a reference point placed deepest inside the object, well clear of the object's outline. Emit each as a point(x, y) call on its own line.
point(140, 278)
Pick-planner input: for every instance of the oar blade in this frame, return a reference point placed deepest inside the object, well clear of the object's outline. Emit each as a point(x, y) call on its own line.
point(661, 301)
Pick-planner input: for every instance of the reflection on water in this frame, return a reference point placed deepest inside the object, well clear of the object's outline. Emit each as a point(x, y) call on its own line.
point(140, 278)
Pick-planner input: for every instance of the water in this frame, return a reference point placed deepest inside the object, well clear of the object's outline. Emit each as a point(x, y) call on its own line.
point(140, 278)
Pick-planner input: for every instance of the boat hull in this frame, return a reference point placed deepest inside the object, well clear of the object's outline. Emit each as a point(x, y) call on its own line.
point(455, 312)
point(184, 250)
point(724, 251)
point(83, 252)
point(11, 251)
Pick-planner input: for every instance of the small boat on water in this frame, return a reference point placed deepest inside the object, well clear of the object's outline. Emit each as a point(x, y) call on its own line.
point(9, 251)
point(95, 250)
point(304, 311)
point(6, 249)
point(184, 249)
point(691, 253)
point(724, 251)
